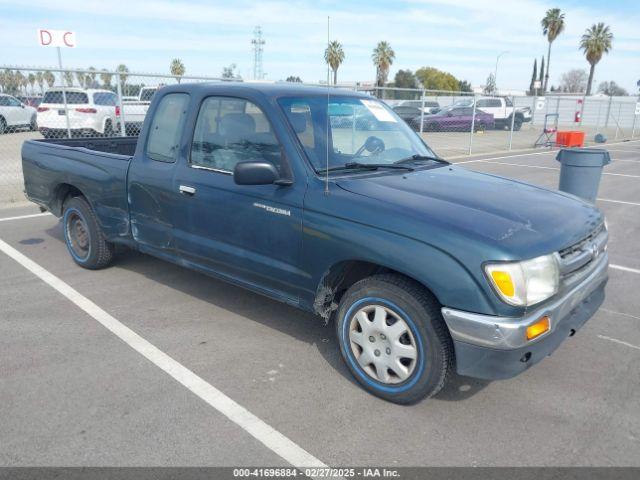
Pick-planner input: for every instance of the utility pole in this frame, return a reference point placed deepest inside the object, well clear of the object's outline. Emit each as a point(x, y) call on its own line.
point(257, 43)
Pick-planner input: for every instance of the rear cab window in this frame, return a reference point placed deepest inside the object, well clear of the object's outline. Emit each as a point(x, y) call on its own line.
point(163, 141)
point(56, 96)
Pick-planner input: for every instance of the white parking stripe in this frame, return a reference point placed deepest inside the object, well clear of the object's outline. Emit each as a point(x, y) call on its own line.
point(618, 201)
point(615, 340)
point(619, 313)
point(24, 216)
point(554, 168)
point(624, 269)
point(235, 412)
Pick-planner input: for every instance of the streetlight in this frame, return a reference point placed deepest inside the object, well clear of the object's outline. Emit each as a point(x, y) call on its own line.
point(495, 73)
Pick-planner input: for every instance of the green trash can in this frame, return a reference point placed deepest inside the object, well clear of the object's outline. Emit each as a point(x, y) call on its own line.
point(581, 170)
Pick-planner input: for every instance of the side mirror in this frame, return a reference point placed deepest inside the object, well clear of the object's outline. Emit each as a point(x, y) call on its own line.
point(256, 173)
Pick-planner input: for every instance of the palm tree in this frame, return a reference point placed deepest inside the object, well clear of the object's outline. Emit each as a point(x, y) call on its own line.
point(595, 42)
point(383, 56)
point(177, 68)
point(123, 71)
point(105, 77)
point(32, 81)
point(40, 80)
point(91, 76)
point(552, 26)
point(68, 77)
point(49, 77)
point(334, 56)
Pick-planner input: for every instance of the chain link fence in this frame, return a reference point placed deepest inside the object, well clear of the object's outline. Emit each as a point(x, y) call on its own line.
point(53, 103)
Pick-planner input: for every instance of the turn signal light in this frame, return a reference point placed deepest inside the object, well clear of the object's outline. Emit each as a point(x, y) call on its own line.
point(504, 283)
point(541, 326)
point(86, 110)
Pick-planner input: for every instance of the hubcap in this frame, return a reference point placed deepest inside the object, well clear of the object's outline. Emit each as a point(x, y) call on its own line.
point(78, 235)
point(382, 344)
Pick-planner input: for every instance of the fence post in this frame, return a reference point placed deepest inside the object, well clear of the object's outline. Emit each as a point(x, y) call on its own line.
point(618, 120)
point(473, 124)
point(123, 132)
point(422, 115)
point(606, 120)
point(64, 94)
point(633, 127)
point(513, 118)
point(533, 109)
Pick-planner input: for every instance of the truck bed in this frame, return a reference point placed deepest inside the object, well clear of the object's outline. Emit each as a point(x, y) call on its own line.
point(97, 167)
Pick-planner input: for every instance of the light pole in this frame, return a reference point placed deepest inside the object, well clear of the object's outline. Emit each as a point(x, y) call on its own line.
point(495, 73)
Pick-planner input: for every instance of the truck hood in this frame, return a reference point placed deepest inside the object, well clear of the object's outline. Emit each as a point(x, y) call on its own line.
point(520, 219)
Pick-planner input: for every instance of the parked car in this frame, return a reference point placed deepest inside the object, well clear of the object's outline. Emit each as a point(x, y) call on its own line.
point(406, 112)
point(91, 112)
point(423, 266)
point(14, 114)
point(454, 118)
point(502, 110)
point(430, 106)
point(31, 100)
point(136, 110)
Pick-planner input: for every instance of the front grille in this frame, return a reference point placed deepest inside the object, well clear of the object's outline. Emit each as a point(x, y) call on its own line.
point(579, 257)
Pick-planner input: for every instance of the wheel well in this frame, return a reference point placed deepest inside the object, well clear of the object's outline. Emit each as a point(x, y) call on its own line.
point(340, 277)
point(63, 192)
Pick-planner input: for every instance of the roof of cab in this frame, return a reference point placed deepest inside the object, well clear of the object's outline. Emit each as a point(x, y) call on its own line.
point(272, 90)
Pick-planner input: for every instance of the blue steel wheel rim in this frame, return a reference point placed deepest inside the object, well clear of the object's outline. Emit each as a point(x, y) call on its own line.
point(364, 374)
point(76, 235)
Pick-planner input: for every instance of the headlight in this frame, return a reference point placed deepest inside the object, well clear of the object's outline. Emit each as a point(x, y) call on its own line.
point(525, 283)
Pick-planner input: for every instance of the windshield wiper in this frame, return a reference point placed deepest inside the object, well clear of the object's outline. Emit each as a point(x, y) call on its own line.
point(419, 158)
point(371, 166)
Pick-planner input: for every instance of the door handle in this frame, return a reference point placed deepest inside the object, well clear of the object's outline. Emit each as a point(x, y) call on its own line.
point(187, 190)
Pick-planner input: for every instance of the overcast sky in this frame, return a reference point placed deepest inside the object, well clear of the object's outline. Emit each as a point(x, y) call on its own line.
point(460, 36)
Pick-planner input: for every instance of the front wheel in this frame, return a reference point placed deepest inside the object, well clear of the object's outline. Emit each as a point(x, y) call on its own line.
point(83, 236)
point(393, 338)
point(33, 124)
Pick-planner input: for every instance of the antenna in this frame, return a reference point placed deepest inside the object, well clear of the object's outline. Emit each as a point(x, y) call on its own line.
point(257, 43)
point(326, 174)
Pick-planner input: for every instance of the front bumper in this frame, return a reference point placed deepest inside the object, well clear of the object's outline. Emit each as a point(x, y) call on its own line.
point(496, 347)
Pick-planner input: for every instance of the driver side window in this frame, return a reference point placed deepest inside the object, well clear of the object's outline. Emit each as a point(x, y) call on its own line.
point(232, 130)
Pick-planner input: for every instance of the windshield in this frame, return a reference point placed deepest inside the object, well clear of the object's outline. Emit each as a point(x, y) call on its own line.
point(361, 130)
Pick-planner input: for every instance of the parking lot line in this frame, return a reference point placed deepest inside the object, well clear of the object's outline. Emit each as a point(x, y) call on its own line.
point(24, 216)
point(624, 269)
point(553, 168)
point(618, 201)
point(619, 313)
point(261, 431)
point(621, 342)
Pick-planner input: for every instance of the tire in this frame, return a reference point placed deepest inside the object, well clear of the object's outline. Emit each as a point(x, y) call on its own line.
point(517, 124)
point(3, 126)
point(83, 236)
point(108, 129)
point(425, 337)
point(480, 127)
point(33, 124)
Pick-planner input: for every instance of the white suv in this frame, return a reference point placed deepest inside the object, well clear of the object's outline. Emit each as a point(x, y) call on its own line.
point(14, 114)
point(91, 113)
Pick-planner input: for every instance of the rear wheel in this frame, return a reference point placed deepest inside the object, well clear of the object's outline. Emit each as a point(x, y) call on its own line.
point(83, 236)
point(393, 338)
point(108, 129)
point(517, 124)
point(3, 125)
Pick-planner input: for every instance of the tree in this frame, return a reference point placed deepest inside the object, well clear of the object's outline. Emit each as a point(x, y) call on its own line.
point(534, 77)
point(574, 81)
point(490, 87)
point(19, 80)
point(32, 81)
point(40, 80)
point(68, 78)
point(542, 73)
point(49, 78)
point(229, 73)
point(123, 71)
point(464, 86)
point(293, 79)
point(405, 79)
point(552, 26)
point(81, 78)
point(105, 78)
point(382, 57)
point(612, 89)
point(177, 68)
point(434, 79)
point(596, 41)
point(334, 56)
point(92, 77)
